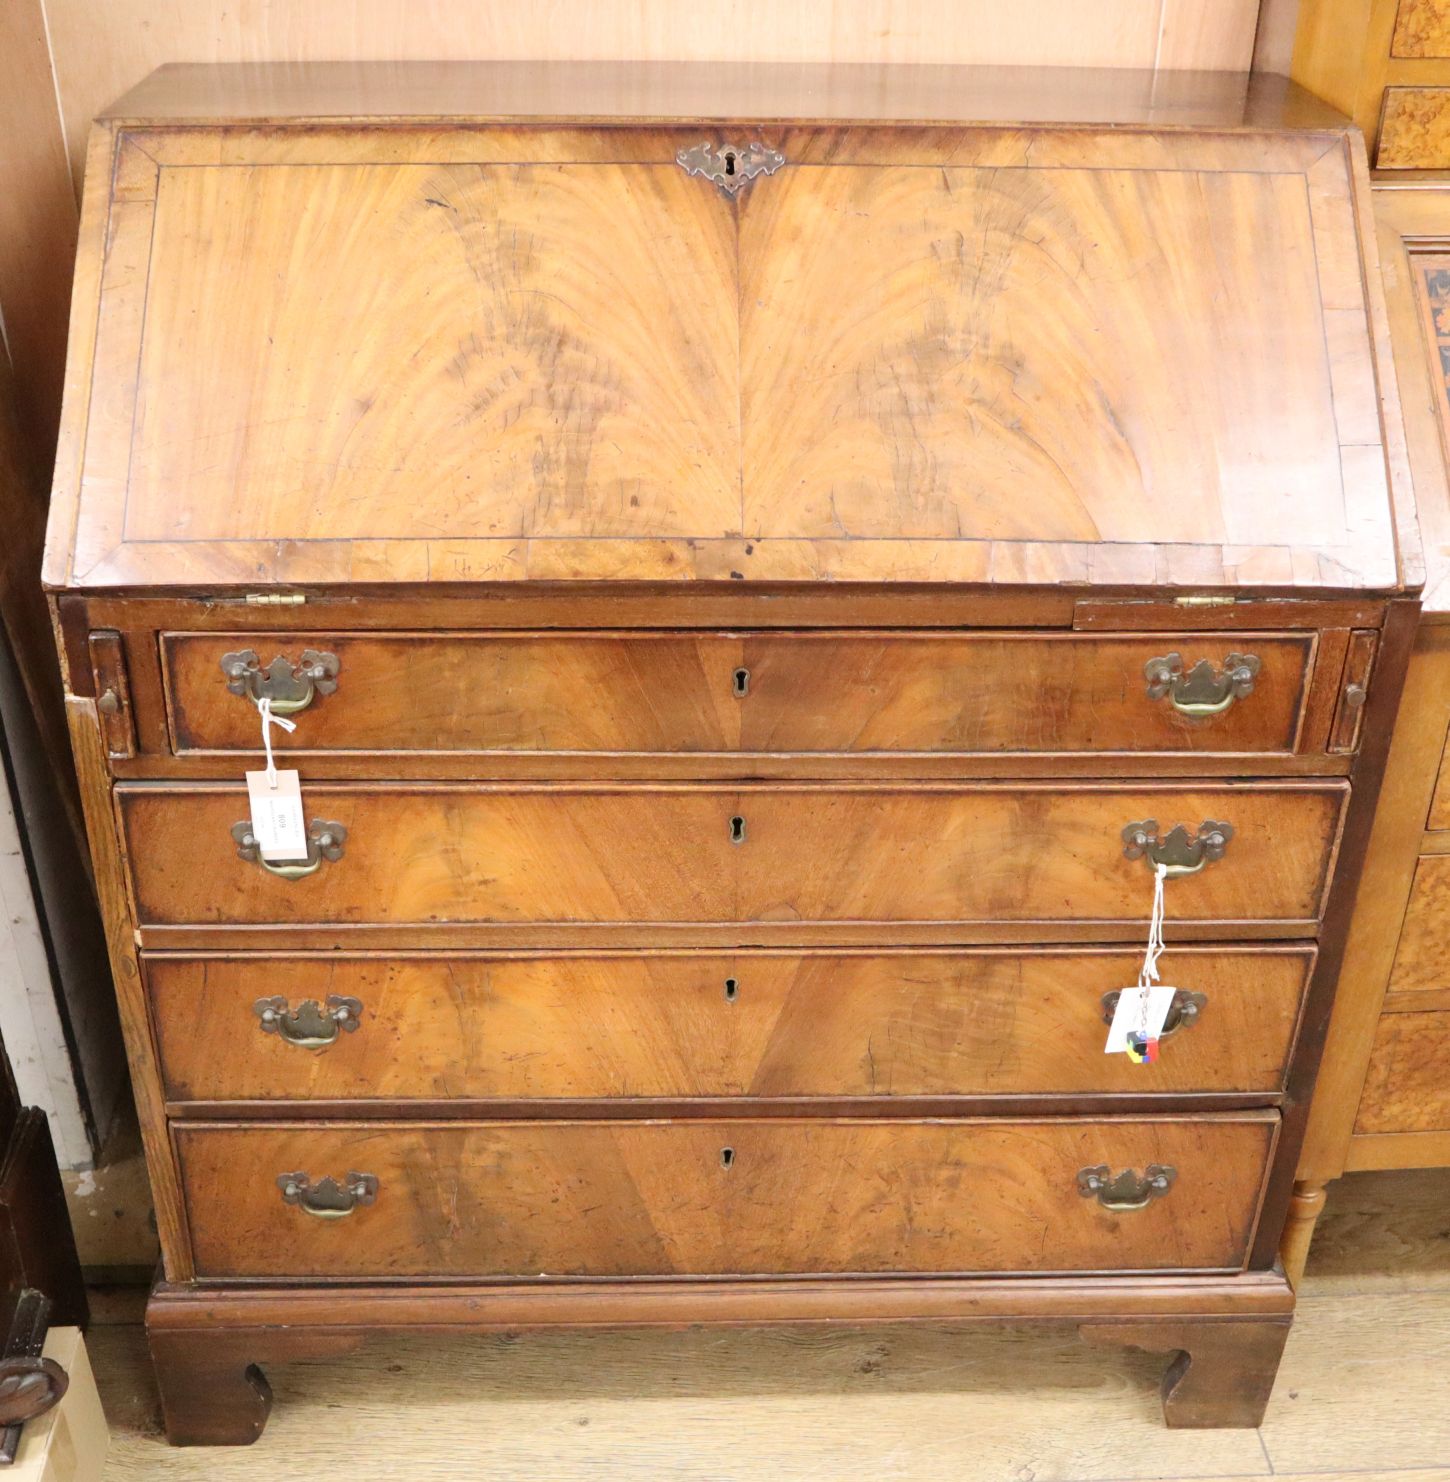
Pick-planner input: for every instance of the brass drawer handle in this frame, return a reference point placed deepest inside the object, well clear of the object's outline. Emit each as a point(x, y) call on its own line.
point(327, 1199)
point(1178, 851)
point(310, 1026)
point(1126, 1191)
point(324, 841)
point(290, 687)
point(1183, 1012)
point(1203, 690)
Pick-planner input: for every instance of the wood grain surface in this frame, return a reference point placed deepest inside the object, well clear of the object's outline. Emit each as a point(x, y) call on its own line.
point(750, 1024)
point(1440, 803)
point(1407, 1084)
point(1422, 29)
point(1415, 129)
point(430, 855)
point(670, 693)
point(98, 57)
point(814, 381)
point(659, 1198)
point(851, 1401)
point(1422, 960)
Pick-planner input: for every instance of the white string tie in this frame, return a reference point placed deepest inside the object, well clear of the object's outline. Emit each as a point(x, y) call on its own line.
point(264, 707)
point(1148, 973)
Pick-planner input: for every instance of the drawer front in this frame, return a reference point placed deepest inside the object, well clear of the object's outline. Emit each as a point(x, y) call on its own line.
point(1414, 129)
point(1407, 1087)
point(747, 1024)
point(1440, 802)
point(664, 693)
point(1422, 958)
point(431, 854)
point(534, 1199)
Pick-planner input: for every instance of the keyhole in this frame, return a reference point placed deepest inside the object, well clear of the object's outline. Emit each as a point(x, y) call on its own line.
point(732, 987)
point(729, 161)
point(737, 830)
point(727, 1157)
point(742, 683)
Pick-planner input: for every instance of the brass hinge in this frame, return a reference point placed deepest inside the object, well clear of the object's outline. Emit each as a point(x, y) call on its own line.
point(275, 599)
point(1204, 601)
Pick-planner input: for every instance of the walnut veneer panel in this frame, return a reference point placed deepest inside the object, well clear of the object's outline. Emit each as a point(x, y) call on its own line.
point(426, 855)
point(1415, 129)
point(550, 354)
point(569, 331)
point(797, 692)
point(733, 1025)
point(1422, 29)
point(1407, 1086)
point(658, 1198)
point(1422, 961)
point(947, 386)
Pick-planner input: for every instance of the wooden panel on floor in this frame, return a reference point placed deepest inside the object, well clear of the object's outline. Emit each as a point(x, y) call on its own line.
point(1384, 1231)
point(890, 1402)
point(796, 1405)
point(1362, 1385)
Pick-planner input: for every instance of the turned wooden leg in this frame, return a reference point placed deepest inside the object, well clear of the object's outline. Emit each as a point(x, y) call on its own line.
point(1304, 1209)
point(212, 1394)
point(1222, 1371)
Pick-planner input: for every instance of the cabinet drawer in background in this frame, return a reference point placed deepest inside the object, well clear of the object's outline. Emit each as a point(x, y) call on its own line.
point(1422, 955)
point(1407, 1085)
point(862, 857)
point(1440, 801)
point(753, 693)
point(744, 1024)
point(720, 1198)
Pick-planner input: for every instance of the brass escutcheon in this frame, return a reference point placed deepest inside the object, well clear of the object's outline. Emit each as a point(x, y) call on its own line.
point(730, 166)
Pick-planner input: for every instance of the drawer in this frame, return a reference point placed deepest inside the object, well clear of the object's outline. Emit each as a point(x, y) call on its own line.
point(1414, 129)
point(697, 1198)
point(1407, 1087)
point(1422, 958)
point(711, 693)
point(1440, 801)
point(747, 1024)
point(790, 855)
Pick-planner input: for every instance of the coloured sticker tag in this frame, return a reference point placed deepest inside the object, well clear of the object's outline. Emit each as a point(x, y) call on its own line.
point(1130, 1023)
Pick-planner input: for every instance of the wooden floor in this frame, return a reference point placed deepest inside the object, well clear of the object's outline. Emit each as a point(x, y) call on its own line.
point(1364, 1393)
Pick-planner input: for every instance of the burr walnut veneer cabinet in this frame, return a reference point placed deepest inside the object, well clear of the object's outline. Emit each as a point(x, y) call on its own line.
point(761, 563)
point(1386, 1101)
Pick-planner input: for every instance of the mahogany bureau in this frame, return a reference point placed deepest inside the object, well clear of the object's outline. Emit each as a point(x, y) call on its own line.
point(763, 565)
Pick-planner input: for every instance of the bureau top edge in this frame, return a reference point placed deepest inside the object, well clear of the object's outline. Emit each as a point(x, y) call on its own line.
point(632, 93)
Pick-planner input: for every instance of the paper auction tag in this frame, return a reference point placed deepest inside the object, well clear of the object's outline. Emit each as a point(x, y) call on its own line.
point(277, 821)
point(1129, 1018)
